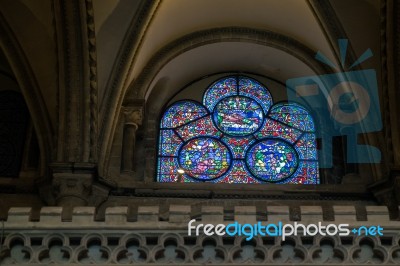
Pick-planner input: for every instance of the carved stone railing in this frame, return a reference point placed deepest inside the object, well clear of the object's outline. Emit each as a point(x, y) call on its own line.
point(152, 238)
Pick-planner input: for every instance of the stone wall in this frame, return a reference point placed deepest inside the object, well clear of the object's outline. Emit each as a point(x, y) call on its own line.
point(150, 238)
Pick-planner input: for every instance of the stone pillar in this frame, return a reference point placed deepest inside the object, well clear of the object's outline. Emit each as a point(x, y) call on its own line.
point(133, 119)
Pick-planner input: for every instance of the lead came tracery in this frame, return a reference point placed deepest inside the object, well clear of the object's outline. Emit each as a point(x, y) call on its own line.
point(237, 135)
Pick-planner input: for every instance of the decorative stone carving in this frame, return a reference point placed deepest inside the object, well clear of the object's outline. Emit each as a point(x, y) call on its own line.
point(74, 185)
point(162, 248)
point(99, 194)
point(77, 122)
point(92, 59)
point(72, 189)
point(152, 240)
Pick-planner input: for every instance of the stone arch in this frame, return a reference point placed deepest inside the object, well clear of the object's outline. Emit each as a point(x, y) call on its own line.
point(140, 86)
point(30, 91)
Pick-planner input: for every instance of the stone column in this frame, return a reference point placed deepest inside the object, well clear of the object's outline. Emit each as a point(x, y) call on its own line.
point(133, 119)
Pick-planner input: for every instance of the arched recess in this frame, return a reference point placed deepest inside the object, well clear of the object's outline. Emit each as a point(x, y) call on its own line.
point(141, 86)
point(30, 90)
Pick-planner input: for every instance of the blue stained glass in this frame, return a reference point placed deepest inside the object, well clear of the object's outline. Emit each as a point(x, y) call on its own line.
point(233, 141)
point(306, 146)
point(238, 146)
point(169, 143)
point(306, 174)
point(204, 158)
point(274, 129)
point(238, 174)
point(202, 127)
point(238, 116)
point(253, 89)
point(272, 160)
point(167, 169)
point(181, 113)
point(188, 179)
point(293, 115)
point(221, 89)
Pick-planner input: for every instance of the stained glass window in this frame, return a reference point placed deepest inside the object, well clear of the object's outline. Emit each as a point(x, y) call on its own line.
point(237, 135)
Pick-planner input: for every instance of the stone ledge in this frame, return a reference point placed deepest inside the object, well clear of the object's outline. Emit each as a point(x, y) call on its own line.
point(180, 215)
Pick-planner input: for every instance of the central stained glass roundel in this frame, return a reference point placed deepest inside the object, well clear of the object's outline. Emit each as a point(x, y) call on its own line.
point(204, 158)
point(238, 116)
point(272, 160)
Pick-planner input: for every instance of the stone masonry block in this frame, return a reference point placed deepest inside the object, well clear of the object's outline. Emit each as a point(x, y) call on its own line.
point(278, 213)
point(246, 214)
point(148, 213)
point(311, 214)
point(83, 215)
point(212, 214)
point(116, 215)
point(18, 215)
point(344, 213)
point(377, 213)
point(179, 213)
point(50, 215)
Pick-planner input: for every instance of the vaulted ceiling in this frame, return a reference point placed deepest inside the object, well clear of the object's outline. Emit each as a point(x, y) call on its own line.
point(142, 45)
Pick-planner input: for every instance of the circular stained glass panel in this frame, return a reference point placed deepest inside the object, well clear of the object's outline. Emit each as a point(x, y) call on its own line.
point(272, 160)
point(204, 158)
point(238, 116)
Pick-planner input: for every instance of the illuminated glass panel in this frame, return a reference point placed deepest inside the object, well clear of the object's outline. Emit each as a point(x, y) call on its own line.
point(221, 89)
point(251, 88)
point(306, 173)
point(169, 143)
point(167, 169)
point(272, 160)
point(238, 116)
point(182, 113)
point(294, 116)
point(237, 136)
point(278, 130)
point(238, 146)
point(306, 147)
point(204, 158)
point(202, 127)
point(238, 174)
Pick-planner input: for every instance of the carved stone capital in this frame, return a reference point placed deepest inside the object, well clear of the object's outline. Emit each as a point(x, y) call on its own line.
point(74, 185)
point(99, 195)
point(72, 189)
point(133, 115)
